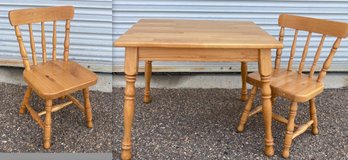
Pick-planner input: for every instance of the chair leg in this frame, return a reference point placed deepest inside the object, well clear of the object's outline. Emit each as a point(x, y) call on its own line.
point(313, 114)
point(148, 74)
point(48, 122)
point(244, 71)
point(246, 111)
point(290, 130)
point(62, 97)
point(88, 109)
point(273, 98)
point(25, 101)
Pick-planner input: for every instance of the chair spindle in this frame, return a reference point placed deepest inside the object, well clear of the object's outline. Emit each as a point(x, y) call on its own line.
point(293, 50)
point(328, 60)
point(279, 51)
point(43, 42)
point(304, 54)
point(67, 40)
point(32, 44)
point(317, 55)
point(54, 41)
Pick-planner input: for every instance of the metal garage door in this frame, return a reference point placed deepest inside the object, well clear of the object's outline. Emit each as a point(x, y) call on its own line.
point(90, 37)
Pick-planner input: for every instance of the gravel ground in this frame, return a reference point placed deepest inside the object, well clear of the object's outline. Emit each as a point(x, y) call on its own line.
point(178, 124)
point(69, 132)
point(200, 124)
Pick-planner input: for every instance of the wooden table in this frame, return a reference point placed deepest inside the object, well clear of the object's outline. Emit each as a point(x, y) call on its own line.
point(196, 40)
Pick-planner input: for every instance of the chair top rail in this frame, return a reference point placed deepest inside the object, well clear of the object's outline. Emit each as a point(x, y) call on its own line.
point(35, 15)
point(326, 27)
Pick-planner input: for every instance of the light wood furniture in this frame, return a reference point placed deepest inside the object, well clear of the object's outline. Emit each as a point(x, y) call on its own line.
point(148, 74)
point(295, 85)
point(195, 40)
point(54, 78)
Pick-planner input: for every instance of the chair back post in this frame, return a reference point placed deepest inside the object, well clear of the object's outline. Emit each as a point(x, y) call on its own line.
point(22, 49)
point(328, 60)
point(42, 15)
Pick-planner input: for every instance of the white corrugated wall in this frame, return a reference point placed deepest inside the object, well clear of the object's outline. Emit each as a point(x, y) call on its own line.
point(98, 23)
point(263, 12)
point(90, 37)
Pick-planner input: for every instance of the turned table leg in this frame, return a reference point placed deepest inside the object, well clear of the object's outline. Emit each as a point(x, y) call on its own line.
point(130, 69)
point(148, 74)
point(265, 70)
point(244, 71)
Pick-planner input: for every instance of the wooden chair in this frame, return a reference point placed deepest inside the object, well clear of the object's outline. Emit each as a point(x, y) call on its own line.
point(54, 78)
point(148, 74)
point(295, 85)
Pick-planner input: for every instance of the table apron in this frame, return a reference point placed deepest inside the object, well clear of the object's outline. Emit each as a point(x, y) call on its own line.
point(198, 54)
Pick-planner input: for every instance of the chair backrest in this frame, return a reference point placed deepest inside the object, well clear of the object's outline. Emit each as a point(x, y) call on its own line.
point(311, 25)
point(41, 15)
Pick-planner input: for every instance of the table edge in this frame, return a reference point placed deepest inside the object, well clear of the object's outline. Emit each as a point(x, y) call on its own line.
point(178, 45)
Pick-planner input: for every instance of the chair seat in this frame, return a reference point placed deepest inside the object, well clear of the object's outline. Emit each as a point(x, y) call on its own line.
point(290, 84)
point(54, 79)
